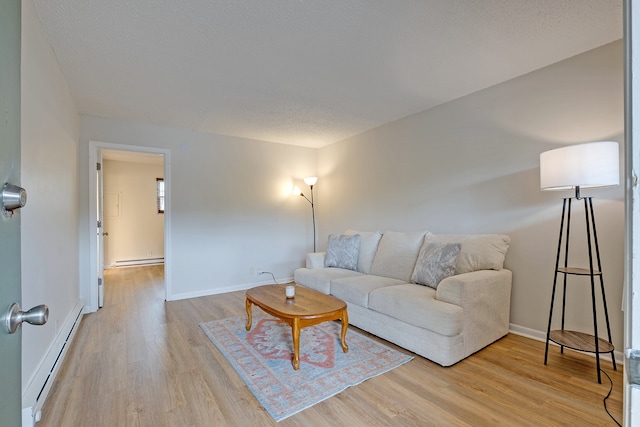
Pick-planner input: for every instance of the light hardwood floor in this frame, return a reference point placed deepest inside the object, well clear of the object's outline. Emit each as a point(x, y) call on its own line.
point(141, 361)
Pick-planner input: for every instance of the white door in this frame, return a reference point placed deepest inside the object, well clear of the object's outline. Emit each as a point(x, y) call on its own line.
point(100, 229)
point(10, 286)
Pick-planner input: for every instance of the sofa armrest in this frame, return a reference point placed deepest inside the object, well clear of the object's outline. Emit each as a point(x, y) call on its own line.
point(468, 288)
point(315, 260)
point(485, 298)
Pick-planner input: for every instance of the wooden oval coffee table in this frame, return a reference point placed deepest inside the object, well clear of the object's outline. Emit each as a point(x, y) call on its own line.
point(307, 308)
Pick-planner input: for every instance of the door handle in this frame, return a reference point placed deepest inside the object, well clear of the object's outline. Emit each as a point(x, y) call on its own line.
point(13, 197)
point(106, 233)
point(14, 317)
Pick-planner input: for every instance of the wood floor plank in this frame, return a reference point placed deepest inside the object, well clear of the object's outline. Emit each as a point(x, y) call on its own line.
point(141, 361)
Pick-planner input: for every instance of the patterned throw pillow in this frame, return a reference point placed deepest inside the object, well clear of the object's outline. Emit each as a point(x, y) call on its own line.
point(342, 251)
point(436, 261)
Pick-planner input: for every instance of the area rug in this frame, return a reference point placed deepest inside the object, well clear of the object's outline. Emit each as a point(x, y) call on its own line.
point(262, 358)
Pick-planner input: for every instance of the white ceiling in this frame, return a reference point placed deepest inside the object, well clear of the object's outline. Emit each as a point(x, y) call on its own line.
point(305, 72)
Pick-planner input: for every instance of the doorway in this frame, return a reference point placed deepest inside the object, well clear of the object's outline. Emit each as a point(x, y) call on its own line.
point(114, 204)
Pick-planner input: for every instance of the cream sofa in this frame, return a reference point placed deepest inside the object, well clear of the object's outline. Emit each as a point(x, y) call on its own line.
point(462, 306)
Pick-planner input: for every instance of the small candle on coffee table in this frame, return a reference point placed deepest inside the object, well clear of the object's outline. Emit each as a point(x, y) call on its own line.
point(290, 291)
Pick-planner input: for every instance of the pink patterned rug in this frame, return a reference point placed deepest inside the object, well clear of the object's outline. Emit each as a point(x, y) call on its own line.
point(262, 357)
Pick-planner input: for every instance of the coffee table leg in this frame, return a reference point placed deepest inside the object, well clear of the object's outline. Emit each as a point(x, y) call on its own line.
point(343, 336)
point(249, 318)
point(295, 332)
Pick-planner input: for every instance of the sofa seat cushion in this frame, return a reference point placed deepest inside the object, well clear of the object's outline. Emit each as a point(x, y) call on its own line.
point(355, 290)
point(320, 278)
point(417, 305)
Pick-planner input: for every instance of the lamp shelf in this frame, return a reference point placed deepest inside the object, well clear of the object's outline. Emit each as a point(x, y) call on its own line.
point(580, 341)
point(579, 271)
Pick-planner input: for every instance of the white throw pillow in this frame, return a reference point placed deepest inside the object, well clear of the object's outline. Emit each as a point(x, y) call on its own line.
point(368, 246)
point(397, 254)
point(477, 251)
point(342, 251)
point(436, 261)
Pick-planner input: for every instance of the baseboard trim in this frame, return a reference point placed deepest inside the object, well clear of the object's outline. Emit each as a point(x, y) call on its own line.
point(224, 290)
point(36, 392)
point(542, 336)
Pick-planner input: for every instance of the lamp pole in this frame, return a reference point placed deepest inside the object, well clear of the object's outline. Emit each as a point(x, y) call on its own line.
point(313, 215)
point(310, 181)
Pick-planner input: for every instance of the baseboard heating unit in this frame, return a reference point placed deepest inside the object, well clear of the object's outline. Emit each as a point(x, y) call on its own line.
point(138, 262)
point(36, 392)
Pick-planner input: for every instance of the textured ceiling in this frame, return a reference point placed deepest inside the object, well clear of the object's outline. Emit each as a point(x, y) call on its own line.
point(305, 72)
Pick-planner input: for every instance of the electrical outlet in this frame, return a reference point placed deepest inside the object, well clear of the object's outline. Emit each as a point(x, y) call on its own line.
point(253, 271)
point(259, 271)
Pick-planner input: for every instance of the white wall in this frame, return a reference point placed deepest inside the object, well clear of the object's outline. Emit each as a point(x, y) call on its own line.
point(472, 166)
point(136, 229)
point(231, 205)
point(468, 166)
point(50, 132)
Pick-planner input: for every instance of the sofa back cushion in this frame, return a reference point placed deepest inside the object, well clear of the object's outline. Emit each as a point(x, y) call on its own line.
point(477, 252)
point(368, 246)
point(396, 255)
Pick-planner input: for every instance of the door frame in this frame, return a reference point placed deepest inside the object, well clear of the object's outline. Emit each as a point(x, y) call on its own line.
point(100, 228)
point(94, 148)
point(631, 303)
